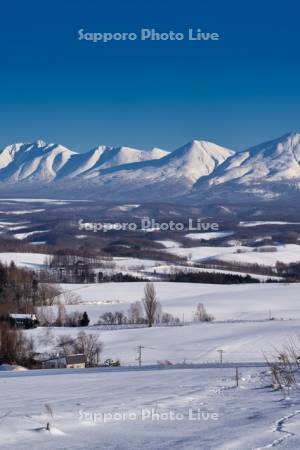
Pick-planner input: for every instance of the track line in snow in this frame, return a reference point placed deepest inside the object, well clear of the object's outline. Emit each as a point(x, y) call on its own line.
point(279, 427)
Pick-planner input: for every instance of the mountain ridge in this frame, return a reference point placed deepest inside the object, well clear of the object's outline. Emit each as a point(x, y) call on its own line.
point(197, 168)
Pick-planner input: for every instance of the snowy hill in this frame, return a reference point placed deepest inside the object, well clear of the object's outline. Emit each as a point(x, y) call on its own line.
point(276, 160)
point(199, 169)
point(147, 408)
point(266, 169)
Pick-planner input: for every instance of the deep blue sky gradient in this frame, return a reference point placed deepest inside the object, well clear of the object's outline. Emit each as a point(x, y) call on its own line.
point(239, 91)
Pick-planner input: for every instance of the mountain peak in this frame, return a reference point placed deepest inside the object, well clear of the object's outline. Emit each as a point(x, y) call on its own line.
point(270, 162)
point(40, 143)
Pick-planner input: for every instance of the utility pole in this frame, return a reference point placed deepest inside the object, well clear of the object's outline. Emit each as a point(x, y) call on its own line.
point(139, 358)
point(139, 350)
point(237, 376)
point(221, 355)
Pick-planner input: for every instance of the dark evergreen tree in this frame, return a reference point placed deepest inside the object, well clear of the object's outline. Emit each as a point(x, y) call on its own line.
point(85, 320)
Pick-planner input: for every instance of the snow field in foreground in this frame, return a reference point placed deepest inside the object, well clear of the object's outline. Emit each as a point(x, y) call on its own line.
point(157, 409)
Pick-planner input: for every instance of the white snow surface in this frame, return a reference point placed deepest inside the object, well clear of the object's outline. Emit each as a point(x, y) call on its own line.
point(287, 253)
point(30, 260)
point(22, 236)
point(249, 417)
point(209, 235)
point(262, 222)
point(225, 302)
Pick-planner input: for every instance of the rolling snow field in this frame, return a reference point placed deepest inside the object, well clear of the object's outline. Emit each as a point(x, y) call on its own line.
point(181, 397)
point(288, 253)
point(149, 408)
point(242, 325)
point(225, 302)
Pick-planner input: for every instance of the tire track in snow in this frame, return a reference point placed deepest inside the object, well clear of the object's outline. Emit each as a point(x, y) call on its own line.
point(279, 427)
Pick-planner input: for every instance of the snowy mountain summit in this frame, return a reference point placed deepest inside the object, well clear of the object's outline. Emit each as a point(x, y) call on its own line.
point(277, 160)
point(195, 169)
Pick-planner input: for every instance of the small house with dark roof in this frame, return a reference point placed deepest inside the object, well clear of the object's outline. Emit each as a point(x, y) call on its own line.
point(24, 321)
point(76, 361)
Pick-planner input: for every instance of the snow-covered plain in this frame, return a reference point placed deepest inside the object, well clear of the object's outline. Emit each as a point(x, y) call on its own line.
point(50, 201)
point(244, 341)
point(151, 409)
point(249, 305)
point(225, 302)
point(242, 326)
point(22, 211)
point(287, 253)
point(262, 222)
point(22, 236)
point(30, 260)
point(202, 253)
point(249, 417)
point(135, 266)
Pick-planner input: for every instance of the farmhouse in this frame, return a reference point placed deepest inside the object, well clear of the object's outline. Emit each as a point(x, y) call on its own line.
point(24, 321)
point(77, 361)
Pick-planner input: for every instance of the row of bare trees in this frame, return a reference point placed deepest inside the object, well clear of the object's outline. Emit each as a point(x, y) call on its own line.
point(145, 312)
point(149, 312)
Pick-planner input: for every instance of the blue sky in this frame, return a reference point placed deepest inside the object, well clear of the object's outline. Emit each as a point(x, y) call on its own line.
point(238, 91)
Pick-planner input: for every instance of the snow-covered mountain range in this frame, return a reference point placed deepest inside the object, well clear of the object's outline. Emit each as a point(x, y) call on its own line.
point(197, 168)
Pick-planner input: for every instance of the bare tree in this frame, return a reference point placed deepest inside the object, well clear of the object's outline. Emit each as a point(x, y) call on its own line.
point(61, 315)
point(169, 319)
point(107, 318)
point(45, 316)
point(158, 313)
point(120, 318)
point(150, 303)
point(201, 315)
point(70, 298)
point(284, 365)
point(90, 345)
point(65, 344)
point(48, 294)
point(73, 319)
point(46, 337)
point(136, 313)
